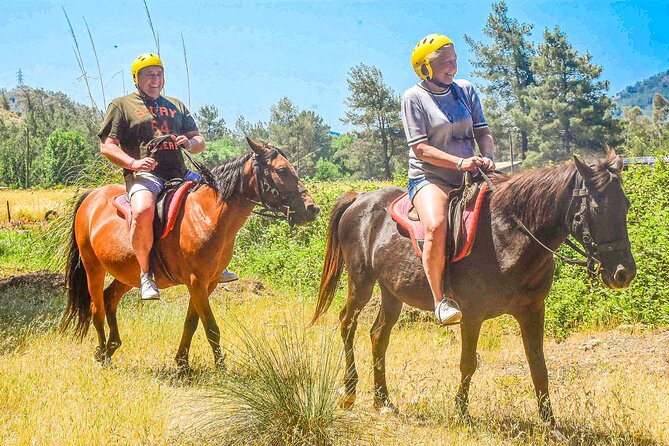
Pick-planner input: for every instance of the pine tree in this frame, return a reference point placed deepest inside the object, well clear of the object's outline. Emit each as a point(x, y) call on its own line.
point(568, 102)
point(375, 107)
point(505, 65)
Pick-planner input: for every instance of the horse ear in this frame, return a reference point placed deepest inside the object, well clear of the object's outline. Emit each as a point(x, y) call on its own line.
point(586, 171)
point(259, 149)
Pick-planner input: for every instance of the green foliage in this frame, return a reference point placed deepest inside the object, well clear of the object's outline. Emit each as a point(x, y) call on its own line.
point(210, 125)
point(568, 100)
point(374, 108)
point(221, 150)
point(24, 136)
point(301, 134)
point(326, 170)
point(576, 300)
point(282, 391)
point(505, 65)
point(290, 258)
point(64, 157)
point(641, 93)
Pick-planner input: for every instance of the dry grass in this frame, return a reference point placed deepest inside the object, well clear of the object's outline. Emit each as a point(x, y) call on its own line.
point(32, 205)
point(610, 392)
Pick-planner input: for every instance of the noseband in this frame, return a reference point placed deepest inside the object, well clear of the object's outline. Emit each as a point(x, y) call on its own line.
point(267, 189)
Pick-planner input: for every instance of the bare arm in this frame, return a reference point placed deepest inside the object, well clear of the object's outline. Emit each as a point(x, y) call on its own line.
point(111, 149)
point(486, 145)
point(436, 157)
point(196, 144)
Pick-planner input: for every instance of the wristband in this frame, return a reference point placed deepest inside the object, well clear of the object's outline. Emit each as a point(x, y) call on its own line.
point(489, 156)
point(459, 165)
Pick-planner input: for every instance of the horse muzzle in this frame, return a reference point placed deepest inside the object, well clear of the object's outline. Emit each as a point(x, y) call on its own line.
point(308, 215)
point(619, 277)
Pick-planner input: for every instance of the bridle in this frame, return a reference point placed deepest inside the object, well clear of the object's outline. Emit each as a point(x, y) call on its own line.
point(578, 226)
point(275, 204)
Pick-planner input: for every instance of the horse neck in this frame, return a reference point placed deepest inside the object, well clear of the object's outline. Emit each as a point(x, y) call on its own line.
point(540, 199)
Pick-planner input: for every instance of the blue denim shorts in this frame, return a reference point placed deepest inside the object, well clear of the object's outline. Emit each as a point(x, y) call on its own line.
point(419, 183)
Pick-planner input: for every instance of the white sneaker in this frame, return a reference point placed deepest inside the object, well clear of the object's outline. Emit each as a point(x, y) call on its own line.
point(227, 276)
point(447, 314)
point(148, 289)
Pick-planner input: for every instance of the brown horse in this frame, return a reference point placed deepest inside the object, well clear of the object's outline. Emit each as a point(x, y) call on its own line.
point(196, 251)
point(506, 273)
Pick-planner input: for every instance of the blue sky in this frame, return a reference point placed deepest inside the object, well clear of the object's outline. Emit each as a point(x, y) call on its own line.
point(245, 55)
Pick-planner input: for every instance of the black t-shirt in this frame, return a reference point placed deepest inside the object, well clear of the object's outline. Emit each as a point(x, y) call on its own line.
point(135, 122)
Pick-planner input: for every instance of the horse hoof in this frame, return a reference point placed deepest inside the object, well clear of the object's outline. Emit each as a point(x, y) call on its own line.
point(388, 408)
point(348, 401)
point(558, 436)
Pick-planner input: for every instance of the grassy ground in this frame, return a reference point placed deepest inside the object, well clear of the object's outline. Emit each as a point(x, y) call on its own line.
point(31, 205)
point(607, 387)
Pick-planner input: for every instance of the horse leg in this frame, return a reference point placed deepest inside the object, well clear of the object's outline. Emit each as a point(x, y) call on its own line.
point(470, 330)
point(112, 296)
point(190, 325)
point(359, 293)
point(391, 307)
point(532, 329)
point(200, 299)
point(96, 283)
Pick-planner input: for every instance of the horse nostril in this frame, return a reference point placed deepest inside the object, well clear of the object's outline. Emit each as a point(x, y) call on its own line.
point(313, 209)
point(620, 276)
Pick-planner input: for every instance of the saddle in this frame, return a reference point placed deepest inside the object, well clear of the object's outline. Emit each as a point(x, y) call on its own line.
point(168, 204)
point(464, 206)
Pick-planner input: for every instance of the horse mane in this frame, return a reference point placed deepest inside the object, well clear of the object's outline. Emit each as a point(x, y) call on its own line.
point(540, 196)
point(229, 176)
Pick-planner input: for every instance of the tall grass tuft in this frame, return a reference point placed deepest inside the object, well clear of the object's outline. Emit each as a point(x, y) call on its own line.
point(283, 389)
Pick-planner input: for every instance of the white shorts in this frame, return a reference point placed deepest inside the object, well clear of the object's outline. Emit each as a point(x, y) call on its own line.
point(147, 181)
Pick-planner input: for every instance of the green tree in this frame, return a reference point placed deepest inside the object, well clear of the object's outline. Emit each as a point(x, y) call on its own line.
point(211, 126)
point(301, 134)
point(568, 101)
point(64, 157)
point(506, 66)
point(244, 129)
point(375, 108)
point(221, 150)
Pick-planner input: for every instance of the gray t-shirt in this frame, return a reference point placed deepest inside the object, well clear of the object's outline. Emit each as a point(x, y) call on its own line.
point(446, 121)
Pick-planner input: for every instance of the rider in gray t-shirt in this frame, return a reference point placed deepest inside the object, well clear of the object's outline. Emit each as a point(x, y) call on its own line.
point(442, 118)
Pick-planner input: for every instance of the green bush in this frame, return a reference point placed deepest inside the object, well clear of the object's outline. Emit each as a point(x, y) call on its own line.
point(575, 300)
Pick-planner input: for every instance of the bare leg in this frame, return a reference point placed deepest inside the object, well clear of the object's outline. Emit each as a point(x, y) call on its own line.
point(391, 307)
point(431, 203)
point(359, 294)
point(470, 330)
point(141, 229)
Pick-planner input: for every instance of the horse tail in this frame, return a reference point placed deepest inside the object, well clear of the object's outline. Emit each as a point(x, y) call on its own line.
point(78, 297)
point(334, 258)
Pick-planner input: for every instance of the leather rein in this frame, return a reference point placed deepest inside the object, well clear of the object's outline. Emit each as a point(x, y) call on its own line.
point(577, 225)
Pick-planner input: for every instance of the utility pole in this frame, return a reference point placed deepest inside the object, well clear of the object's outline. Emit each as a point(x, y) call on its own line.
point(19, 78)
point(27, 159)
point(511, 149)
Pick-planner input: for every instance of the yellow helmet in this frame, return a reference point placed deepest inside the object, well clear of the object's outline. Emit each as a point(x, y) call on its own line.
point(425, 47)
point(143, 61)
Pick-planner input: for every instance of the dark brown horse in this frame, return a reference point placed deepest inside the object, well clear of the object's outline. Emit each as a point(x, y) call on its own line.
point(196, 251)
point(506, 273)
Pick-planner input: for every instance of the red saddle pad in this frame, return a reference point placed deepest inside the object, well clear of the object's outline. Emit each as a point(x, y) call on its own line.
point(174, 201)
point(399, 210)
